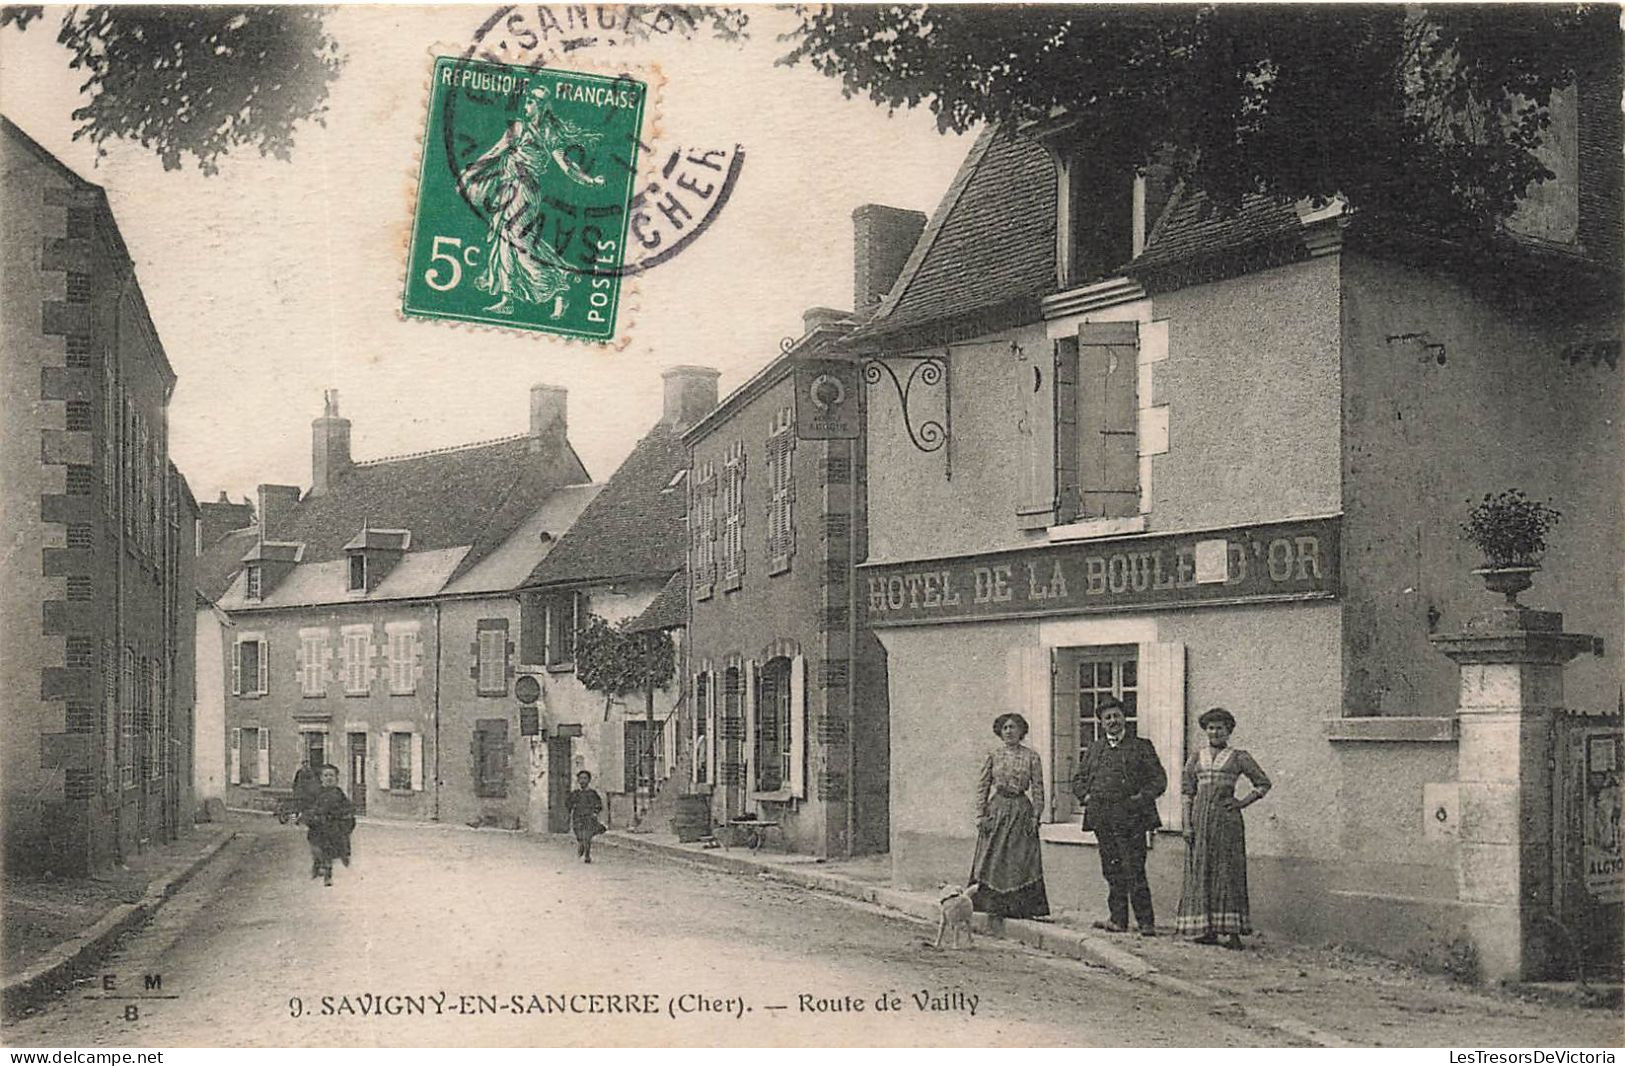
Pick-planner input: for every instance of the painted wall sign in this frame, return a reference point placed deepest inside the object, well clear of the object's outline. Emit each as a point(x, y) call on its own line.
point(827, 396)
point(1263, 563)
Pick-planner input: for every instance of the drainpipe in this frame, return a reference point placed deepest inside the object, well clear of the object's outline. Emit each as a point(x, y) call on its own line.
point(439, 665)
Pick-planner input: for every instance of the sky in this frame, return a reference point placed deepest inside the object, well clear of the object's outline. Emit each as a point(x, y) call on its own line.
point(272, 281)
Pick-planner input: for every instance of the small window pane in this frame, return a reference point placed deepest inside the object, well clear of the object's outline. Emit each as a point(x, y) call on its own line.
point(1129, 671)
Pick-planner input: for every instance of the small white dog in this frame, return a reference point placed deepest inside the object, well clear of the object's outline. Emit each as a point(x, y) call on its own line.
point(956, 907)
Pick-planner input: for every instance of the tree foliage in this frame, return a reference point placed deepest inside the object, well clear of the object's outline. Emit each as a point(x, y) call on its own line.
point(614, 661)
point(196, 81)
point(1430, 113)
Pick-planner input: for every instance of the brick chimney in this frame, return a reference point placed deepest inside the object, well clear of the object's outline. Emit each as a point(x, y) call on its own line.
point(276, 503)
point(221, 517)
point(329, 446)
point(548, 415)
point(882, 238)
point(690, 394)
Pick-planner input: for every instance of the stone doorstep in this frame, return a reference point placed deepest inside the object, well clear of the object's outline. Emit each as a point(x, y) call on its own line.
point(81, 949)
point(1047, 937)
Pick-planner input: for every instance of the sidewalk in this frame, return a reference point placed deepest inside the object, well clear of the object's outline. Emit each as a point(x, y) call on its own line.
point(54, 926)
point(1322, 996)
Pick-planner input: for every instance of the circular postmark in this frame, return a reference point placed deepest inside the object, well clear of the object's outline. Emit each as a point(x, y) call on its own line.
point(679, 189)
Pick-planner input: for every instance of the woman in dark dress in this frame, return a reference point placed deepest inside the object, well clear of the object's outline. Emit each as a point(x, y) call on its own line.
point(331, 818)
point(584, 806)
point(1214, 902)
point(1008, 869)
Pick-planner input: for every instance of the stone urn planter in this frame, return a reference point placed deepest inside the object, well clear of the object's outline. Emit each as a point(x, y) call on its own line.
point(1507, 580)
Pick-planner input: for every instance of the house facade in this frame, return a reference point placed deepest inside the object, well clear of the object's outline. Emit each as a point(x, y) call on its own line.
point(1198, 459)
point(787, 722)
point(616, 560)
point(98, 538)
point(373, 622)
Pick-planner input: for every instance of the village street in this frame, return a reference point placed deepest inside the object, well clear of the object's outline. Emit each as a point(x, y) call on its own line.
point(455, 937)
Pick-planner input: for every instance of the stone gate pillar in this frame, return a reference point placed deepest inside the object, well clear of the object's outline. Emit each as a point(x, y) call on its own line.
point(1511, 661)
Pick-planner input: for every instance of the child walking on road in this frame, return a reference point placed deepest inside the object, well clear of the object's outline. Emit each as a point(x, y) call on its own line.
point(331, 818)
point(584, 806)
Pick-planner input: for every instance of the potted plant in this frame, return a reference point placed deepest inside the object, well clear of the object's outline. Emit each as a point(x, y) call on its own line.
point(1510, 530)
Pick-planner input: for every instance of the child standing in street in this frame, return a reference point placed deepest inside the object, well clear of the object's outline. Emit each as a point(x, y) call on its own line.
point(331, 818)
point(584, 806)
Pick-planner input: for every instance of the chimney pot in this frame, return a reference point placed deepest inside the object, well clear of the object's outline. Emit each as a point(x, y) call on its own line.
point(329, 445)
point(882, 239)
point(690, 393)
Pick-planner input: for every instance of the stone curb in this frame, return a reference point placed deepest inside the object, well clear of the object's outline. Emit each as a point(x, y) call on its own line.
point(56, 966)
point(1045, 937)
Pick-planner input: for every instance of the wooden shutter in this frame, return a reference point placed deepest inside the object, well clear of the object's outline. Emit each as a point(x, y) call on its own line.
point(1034, 385)
point(1108, 382)
point(265, 667)
point(1064, 738)
point(611, 775)
point(417, 762)
point(237, 667)
point(264, 775)
point(752, 680)
point(713, 738)
point(1028, 673)
point(1066, 429)
point(1162, 718)
point(386, 758)
point(236, 756)
point(798, 726)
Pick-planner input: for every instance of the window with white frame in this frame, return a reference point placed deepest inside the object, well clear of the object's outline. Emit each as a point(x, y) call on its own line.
point(253, 582)
point(403, 761)
point(402, 650)
point(356, 655)
point(313, 655)
point(1148, 678)
point(781, 530)
point(250, 665)
point(491, 653)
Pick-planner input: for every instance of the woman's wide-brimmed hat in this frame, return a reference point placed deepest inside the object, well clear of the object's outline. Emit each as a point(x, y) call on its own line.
point(1217, 714)
point(1010, 716)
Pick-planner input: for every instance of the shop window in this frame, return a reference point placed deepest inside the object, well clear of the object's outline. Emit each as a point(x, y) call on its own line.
point(491, 752)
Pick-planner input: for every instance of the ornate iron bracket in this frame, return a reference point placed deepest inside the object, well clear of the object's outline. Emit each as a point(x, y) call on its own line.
point(930, 371)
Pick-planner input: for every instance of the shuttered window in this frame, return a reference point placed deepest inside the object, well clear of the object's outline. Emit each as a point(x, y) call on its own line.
point(733, 517)
point(250, 666)
point(702, 512)
point(313, 662)
point(491, 653)
point(401, 646)
point(357, 656)
point(490, 751)
point(781, 531)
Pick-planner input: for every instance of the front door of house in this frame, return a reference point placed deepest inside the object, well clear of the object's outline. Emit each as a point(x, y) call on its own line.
point(558, 784)
point(358, 772)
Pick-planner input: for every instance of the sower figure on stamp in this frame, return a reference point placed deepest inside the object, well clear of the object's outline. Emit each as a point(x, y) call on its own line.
point(331, 818)
point(584, 805)
point(506, 185)
point(1118, 785)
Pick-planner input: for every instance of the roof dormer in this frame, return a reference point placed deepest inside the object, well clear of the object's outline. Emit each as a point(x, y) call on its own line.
point(1105, 210)
point(372, 554)
point(266, 564)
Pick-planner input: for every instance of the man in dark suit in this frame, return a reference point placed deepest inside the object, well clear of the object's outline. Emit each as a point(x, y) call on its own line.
point(1118, 785)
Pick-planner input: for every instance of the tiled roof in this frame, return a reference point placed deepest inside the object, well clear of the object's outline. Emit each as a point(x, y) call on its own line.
point(1193, 231)
point(213, 571)
point(472, 495)
point(991, 240)
point(634, 528)
point(669, 608)
point(510, 563)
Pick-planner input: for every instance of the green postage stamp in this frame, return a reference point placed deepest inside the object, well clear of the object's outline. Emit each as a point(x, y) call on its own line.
point(524, 197)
